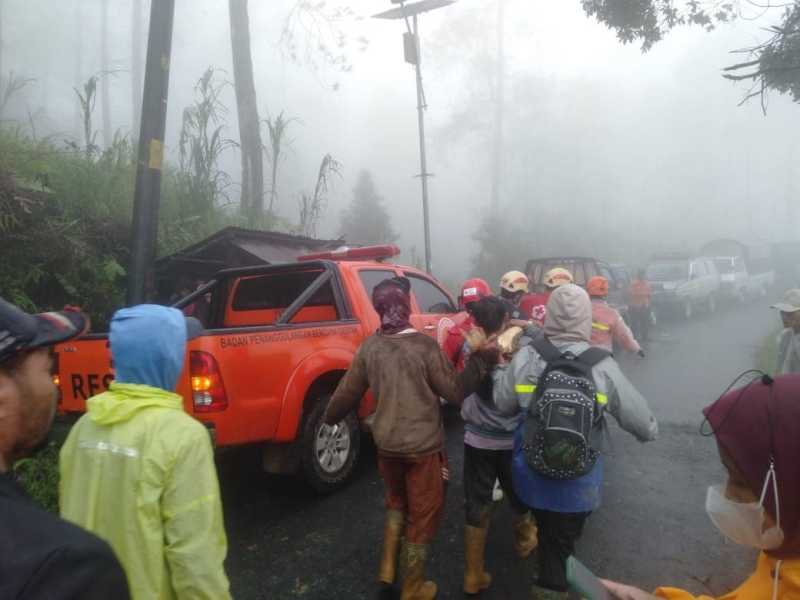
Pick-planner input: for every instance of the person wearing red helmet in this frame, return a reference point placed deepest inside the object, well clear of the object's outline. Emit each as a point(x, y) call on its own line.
point(453, 343)
point(608, 325)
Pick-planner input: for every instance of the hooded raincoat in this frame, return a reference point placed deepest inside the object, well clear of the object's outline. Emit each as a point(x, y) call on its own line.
point(139, 472)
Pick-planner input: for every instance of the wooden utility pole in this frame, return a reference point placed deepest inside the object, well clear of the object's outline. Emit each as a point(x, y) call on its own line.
point(147, 194)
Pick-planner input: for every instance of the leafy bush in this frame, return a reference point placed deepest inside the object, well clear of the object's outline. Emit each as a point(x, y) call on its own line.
point(38, 475)
point(65, 222)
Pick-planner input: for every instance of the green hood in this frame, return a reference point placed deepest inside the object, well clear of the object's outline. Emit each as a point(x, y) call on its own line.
point(123, 400)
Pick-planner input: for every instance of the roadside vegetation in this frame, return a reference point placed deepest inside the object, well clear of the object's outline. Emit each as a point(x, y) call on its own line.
point(65, 207)
point(39, 476)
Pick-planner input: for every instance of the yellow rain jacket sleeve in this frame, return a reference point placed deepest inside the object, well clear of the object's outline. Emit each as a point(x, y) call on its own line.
point(139, 472)
point(757, 587)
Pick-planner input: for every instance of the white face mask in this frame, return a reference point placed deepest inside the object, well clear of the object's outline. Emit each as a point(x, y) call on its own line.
point(743, 523)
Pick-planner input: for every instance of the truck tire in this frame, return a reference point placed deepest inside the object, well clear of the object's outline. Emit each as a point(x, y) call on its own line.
point(329, 453)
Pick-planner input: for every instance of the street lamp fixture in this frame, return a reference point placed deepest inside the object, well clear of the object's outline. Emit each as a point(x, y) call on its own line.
point(411, 49)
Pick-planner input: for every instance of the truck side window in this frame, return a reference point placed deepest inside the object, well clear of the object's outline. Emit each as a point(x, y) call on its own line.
point(431, 299)
point(372, 277)
point(260, 300)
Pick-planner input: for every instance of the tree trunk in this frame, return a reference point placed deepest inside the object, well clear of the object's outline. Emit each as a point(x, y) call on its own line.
point(104, 76)
point(499, 107)
point(252, 163)
point(136, 68)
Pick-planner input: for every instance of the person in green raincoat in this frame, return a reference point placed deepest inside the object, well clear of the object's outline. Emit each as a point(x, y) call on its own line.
point(139, 472)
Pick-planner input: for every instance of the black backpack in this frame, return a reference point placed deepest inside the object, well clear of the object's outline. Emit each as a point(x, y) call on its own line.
point(565, 415)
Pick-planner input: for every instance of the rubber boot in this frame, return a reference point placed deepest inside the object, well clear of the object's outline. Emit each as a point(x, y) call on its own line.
point(392, 531)
point(476, 579)
point(525, 535)
point(413, 567)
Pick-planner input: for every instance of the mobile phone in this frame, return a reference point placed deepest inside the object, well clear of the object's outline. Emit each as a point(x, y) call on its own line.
point(582, 581)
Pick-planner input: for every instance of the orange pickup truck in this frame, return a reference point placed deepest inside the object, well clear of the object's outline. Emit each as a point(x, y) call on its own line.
point(278, 339)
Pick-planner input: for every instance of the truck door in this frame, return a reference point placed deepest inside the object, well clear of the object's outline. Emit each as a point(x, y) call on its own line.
point(433, 305)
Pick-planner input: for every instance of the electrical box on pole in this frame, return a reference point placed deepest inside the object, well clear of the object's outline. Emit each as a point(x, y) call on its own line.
point(411, 48)
point(147, 193)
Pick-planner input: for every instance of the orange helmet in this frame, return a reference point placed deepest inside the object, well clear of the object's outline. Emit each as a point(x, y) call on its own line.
point(597, 286)
point(556, 277)
point(514, 281)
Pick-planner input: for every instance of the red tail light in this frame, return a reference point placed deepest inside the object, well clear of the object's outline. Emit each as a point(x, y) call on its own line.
point(56, 374)
point(208, 391)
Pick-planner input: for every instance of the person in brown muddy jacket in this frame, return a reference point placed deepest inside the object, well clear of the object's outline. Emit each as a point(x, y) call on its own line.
point(407, 373)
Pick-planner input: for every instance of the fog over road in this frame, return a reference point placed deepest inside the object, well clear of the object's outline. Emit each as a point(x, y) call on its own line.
point(652, 529)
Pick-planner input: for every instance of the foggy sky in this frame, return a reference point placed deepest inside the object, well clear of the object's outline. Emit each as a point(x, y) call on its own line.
point(653, 145)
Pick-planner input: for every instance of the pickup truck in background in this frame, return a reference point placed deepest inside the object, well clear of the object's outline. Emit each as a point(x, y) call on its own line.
point(583, 269)
point(278, 339)
point(683, 284)
point(745, 270)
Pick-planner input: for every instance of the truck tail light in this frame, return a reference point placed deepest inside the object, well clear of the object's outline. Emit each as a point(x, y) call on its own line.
point(208, 391)
point(56, 374)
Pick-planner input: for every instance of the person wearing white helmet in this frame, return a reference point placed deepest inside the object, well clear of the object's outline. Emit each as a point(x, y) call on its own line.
point(535, 305)
point(513, 287)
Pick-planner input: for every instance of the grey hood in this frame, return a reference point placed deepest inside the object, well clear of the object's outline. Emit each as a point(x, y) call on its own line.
point(569, 315)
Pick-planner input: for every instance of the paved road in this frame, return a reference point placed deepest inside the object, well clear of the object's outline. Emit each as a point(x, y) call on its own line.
point(652, 529)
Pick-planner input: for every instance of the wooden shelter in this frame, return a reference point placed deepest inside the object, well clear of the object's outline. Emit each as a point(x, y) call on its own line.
point(231, 247)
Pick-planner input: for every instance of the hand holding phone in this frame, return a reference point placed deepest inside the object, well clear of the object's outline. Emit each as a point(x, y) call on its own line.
point(582, 581)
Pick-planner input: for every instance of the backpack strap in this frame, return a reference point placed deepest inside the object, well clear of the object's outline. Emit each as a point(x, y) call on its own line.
point(546, 349)
point(593, 356)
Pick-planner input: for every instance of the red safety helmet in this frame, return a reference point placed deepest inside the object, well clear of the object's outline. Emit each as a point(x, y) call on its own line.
point(473, 290)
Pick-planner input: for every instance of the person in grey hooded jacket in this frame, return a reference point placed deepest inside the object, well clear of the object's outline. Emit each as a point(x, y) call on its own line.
point(560, 506)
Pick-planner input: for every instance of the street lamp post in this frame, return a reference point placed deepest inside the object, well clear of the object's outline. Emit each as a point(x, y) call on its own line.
point(411, 45)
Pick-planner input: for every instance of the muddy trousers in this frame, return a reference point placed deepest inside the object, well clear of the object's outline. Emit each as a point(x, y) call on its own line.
point(481, 469)
point(416, 488)
point(558, 533)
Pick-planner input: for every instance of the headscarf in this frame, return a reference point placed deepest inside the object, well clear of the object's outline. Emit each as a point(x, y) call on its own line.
point(569, 315)
point(754, 424)
point(392, 301)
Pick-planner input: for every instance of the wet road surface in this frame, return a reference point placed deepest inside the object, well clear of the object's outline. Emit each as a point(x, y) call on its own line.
point(286, 542)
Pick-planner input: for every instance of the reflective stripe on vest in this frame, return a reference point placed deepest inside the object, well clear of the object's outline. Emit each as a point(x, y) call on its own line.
point(522, 388)
point(600, 326)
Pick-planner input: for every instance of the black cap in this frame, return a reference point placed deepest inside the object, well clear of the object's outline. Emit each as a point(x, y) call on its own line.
point(20, 331)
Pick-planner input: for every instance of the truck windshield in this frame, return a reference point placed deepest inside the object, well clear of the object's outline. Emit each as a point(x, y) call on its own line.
point(668, 271)
point(724, 265)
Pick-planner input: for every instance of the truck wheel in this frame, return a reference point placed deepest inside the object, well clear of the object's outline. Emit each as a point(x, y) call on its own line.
point(329, 453)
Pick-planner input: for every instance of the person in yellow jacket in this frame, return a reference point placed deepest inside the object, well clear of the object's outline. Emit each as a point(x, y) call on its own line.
point(139, 472)
point(759, 506)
